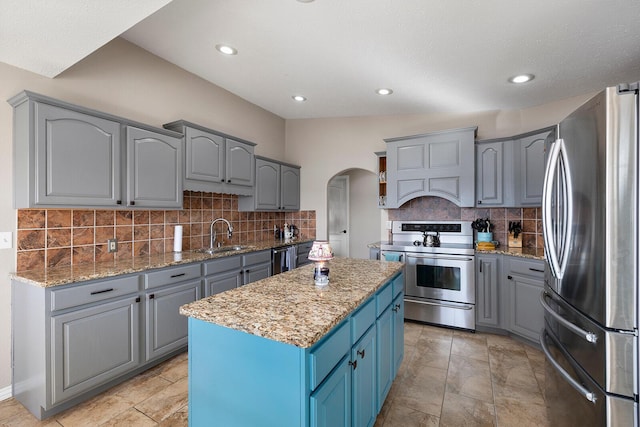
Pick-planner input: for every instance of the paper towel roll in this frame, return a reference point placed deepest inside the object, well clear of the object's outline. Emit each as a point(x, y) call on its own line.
point(177, 238)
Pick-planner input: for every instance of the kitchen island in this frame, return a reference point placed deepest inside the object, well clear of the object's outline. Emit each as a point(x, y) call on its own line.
point(283, 352)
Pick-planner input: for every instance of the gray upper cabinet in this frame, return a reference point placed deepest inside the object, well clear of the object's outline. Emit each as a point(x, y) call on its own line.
point(215, 162)
point(70, 156)
point(510, 171)
point(436, 164)
point(277, 187)
point(154, 169)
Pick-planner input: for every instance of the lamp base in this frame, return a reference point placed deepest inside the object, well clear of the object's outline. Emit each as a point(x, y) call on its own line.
point(321, 274)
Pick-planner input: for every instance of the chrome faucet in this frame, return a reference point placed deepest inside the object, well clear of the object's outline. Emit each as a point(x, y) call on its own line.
point(213, 234)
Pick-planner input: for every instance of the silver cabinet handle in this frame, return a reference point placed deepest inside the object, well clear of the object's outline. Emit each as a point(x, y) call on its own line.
point(589, 336)
point(590, 396)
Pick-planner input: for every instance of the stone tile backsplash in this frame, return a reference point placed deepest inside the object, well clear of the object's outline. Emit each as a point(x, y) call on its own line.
point(436, 208)
point(56, 237)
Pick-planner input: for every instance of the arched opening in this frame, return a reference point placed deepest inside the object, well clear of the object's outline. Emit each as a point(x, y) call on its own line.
point(353, 216)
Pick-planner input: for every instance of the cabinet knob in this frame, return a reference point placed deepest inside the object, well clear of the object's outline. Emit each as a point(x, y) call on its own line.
point(118, 202)
point(353, 364)
point(222, 180)
point(479, 202)
point(138, 299)
point(361, 353)
point(152, 296)
point(510, 277)
point(132, 203)
point(228, 180)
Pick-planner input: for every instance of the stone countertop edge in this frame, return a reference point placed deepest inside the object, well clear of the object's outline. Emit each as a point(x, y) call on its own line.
point(289, 308)
point(532, 253)
point(57, 276)
point(374, 245)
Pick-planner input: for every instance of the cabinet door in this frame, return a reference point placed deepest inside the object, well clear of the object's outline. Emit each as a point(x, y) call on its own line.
point(490, 174)
point(92, 346)
point(222, 282)
point(487, 301)
point(397, 308)
point(204, 156)
point(526, 316)
point(384, 350)
point(154, 169)
point(267, 190)
point(167, 329)
point(331, 402)
point(253, 273)
point(77, 158)
point(531, 176)
point(289, 188)
point(364, 393)
point(239, 163)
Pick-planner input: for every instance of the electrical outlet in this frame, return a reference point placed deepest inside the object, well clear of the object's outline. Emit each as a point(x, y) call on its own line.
point(6, 240)
point(112, 245)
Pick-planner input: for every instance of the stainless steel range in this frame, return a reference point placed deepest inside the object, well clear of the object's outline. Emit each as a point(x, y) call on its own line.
point(439, 272)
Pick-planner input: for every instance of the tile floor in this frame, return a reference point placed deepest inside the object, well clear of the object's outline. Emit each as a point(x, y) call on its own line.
point(448, 378)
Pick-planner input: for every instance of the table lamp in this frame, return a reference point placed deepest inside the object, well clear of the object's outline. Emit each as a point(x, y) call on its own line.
point(321, 253)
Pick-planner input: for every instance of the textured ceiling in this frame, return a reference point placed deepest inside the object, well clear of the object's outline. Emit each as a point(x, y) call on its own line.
point(436, 55)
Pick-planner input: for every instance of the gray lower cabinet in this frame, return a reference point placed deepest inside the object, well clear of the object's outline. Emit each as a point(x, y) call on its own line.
point(215, 162)
point(303, 253)
point(510, 171)
point(70, 156)
point(525, 282)
point(277, 187)
point(93, 345)
point(154, 169)
point(488, 299)
point(222, 274)
point(256, 266)
point(166, 329)
point(436, 164)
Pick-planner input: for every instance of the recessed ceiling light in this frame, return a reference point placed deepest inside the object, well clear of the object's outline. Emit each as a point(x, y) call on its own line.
point(384, 91)
point(522, 78)
point(299, 98)
point(226, 49)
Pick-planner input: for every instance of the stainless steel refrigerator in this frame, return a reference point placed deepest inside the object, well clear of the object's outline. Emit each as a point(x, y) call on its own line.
point(590, 220)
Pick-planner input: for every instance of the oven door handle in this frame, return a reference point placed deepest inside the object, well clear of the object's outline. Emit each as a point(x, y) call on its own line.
point(439, 257)
point(440, 304)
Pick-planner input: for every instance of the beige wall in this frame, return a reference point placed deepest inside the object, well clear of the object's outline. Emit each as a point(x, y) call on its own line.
point(124, 80)
point(364, 214)
point(127, 81)
point(326, 147)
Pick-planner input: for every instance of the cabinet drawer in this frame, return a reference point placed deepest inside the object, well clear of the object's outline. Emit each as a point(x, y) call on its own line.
point(93, 292)
point(384, 298)
point(362, 319)
point(256, 258)
point(526, 267)
point(398, 285)
point(328, 353)
point(171, 275)
point(222, 264)
point(304, 247)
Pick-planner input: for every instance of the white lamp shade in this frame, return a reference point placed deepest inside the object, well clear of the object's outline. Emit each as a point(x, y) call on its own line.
point(320, 251)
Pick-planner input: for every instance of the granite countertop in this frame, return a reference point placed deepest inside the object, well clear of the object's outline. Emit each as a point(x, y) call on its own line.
point(57, 276)
point(533, 253)
point(289, 308)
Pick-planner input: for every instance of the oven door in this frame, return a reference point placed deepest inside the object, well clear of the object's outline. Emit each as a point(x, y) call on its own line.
point(440, 276)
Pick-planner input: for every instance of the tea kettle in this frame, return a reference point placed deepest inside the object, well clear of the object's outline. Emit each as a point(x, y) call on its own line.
point(431, 239)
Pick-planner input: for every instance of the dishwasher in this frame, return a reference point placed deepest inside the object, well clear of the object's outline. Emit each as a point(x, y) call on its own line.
point(283, 259)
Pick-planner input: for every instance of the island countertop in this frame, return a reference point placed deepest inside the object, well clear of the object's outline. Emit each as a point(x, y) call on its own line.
point(289, 308)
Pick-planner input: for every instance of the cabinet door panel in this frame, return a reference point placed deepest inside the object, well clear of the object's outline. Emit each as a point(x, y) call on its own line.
point(222, 282)
point(267, 185)
point(167, 329)
point(290, 187)
point(240, 168)
point(204, 156)
point(384, 343)
point(397, 308)
point(92, 346)
point(487, 303)
point(490, 171)
point(78, 158)
point(532, 169)
point(526, 313)
point(154, 169)
point(253, 273)
point(364, 393)
point(331, 402)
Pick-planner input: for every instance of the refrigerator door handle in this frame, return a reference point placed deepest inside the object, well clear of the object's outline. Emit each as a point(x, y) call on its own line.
point(547, 191)
point(589, 336)
point(590, 396)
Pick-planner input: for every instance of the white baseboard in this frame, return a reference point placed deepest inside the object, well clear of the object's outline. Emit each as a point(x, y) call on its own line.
point(5, 393)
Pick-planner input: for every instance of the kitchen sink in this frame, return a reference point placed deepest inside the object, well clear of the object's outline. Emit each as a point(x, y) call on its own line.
point(223, 249)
